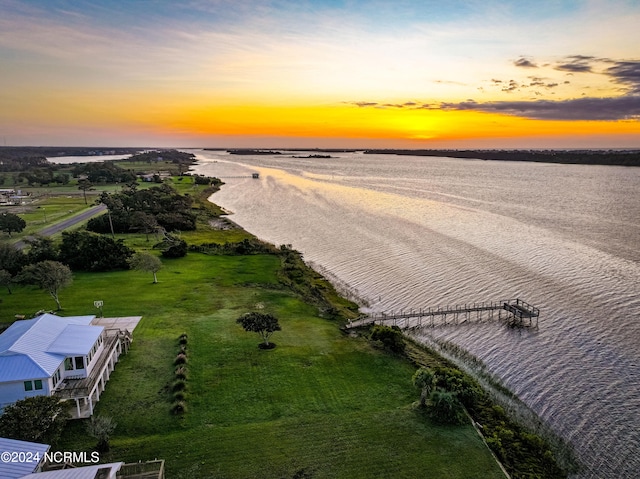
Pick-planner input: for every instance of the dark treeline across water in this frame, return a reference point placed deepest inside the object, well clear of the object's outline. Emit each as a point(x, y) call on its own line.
point(576, 157)
point(18, 152)
point(621, 157)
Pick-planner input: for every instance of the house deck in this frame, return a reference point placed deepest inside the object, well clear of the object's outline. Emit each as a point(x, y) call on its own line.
point(86, 391)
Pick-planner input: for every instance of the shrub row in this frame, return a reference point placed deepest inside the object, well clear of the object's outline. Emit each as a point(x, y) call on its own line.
point(179, 386)
point(244, 247)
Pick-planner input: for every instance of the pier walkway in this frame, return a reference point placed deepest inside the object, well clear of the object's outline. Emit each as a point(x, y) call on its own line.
point(255, 176)
point(515, 311)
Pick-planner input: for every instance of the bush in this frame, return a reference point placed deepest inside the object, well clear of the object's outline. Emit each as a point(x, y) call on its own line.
point(391, 338)
point(101, 428)
point(179, 396)
point(181, 372)
point(466, 389)
point(181, 358)
point(179, 385)
point(446, 408)
point(177, 249)
point(202, 180)
point(179, 407)
point(244, 247)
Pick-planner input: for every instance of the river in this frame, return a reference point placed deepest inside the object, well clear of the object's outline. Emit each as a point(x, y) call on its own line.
point(410, 232)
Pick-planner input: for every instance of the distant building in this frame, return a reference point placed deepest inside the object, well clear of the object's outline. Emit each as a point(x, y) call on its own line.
point(53, 355)
point(6, 195)
point(152, 177)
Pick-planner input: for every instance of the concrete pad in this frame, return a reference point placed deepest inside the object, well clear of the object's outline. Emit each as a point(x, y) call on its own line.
point(126, 322)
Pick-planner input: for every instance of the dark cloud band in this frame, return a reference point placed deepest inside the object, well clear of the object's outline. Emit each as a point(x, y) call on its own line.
point(608, 109)
point(624, 107)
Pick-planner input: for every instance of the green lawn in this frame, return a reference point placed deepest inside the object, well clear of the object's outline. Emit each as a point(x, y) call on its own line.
point(46, 211)
point(321, 402)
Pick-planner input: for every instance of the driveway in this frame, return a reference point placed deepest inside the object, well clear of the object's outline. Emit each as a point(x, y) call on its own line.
point(69, 222)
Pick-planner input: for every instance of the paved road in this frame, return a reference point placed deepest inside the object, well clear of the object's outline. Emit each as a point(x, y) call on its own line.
point(63, 225)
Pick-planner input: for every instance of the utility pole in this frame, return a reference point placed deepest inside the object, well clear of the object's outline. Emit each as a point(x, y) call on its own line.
point(113, 235)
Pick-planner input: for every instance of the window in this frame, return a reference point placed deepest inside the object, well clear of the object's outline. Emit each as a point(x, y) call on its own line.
point(28, 386)
point(68, 364)
point(79, 362)
point(38, 384)
point(56, 377)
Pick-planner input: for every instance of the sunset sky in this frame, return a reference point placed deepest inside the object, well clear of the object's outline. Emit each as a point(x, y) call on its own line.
point(302, 73)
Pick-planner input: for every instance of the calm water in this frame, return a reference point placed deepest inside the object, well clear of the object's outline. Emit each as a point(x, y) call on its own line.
point(411, 232)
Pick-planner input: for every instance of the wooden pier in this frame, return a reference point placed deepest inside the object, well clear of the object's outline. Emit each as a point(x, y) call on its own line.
point(255, 176)
point(515, 311)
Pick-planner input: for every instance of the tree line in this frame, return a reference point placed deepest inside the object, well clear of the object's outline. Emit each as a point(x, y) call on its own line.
point(146, 211)
point(581, 157)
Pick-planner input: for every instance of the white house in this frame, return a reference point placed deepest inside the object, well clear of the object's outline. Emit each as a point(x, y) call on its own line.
point(68, 357)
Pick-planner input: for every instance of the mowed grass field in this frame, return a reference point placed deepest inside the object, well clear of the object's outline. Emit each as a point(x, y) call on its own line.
point(320, 405)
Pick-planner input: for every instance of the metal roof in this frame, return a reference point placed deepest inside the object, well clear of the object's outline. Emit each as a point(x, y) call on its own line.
point(75, 339)
point(33, 339)
point(15, 470)
point(86, 472)
point(14, 365)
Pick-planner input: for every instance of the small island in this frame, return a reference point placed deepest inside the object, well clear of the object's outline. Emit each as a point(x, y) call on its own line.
point(253, 152)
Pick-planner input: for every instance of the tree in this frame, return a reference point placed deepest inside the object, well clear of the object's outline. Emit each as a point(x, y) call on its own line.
point(466, 389)
point(145, 223)
point(84, 251)
point(85, 185)
point(49, 275)
point(264, 324)
point(11, 259)
point(146, 262)
point(424, 379)
point(6, 279)
point(446, 408)
point(41, 249)
point(101, 428)
point(10, 222)
point(35, 419)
